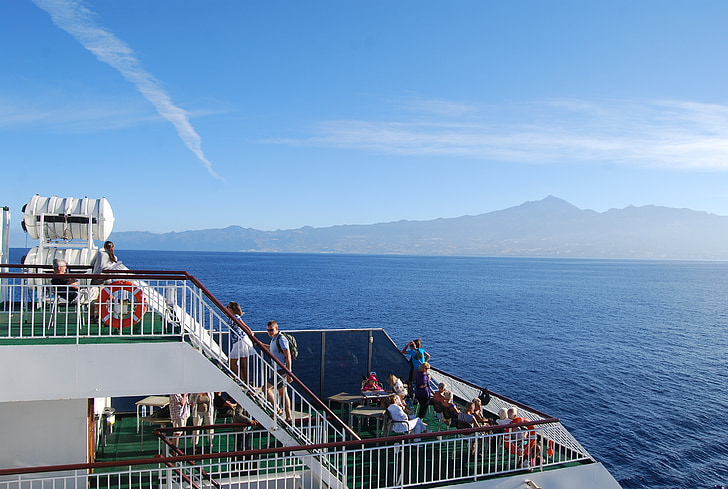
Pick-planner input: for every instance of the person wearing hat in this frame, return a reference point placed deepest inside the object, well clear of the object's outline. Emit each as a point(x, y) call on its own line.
point(371, 384)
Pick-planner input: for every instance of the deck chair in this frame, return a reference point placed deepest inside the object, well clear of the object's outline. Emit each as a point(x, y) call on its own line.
point(439, 414)
point(61, 296)
point(388, 427)
point(61, 303)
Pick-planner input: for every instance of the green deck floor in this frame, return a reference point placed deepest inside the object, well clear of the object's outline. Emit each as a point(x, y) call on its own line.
point(125, 443)
point(35, 327)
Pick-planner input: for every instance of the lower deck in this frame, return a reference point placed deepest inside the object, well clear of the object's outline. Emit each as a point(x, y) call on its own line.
point(449, 455)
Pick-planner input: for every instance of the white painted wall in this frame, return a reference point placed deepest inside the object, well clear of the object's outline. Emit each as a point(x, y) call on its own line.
point(38, 433)
point(44, 392)
point(52, 372)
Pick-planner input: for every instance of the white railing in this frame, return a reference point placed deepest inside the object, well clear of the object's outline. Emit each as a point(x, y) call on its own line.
point(403, 461)
point(140, 306)
point(466, 391)
point(36, 309)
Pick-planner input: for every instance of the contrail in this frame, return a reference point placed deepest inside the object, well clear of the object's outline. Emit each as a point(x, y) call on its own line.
point(74, 18)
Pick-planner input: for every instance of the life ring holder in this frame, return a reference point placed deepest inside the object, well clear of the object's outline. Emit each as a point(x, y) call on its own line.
point(122, 304)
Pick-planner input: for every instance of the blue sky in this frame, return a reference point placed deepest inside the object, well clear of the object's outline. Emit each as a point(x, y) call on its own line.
point(277, 115)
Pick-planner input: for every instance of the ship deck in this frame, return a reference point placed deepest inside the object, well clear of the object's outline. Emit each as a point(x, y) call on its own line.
point(124, 443)
point(324, 446)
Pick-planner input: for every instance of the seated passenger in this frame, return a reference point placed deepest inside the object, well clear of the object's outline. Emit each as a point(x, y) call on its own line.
point(478, 412)
point(224, 406)
point(67, 288)
point(371, 384)
point(503, 418)
point(401, 423)
point(397, 386)
point(450, 410)
point(466, 418)
point(522, 440)
point(438, 400)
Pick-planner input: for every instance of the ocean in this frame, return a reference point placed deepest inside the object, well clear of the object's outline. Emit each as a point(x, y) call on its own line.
point(632, 356)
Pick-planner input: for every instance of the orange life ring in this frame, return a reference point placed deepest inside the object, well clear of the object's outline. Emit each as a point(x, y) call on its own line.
point(122, 304)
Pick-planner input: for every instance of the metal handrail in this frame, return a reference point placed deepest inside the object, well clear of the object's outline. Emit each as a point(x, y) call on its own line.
point(504, 398)
point(217, 307)
point(364, 452)
point(266, 352)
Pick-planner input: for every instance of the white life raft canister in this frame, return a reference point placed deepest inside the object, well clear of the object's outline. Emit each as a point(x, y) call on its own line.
point(68, 218)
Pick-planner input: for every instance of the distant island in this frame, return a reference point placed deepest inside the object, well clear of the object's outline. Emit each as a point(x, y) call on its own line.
point(550, 227)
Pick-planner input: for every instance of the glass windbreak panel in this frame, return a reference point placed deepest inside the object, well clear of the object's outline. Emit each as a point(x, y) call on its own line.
point(388, 359)
point(307, 366)
point(345, 361)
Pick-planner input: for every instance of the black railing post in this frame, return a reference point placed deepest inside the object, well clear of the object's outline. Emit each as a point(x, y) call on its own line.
point(323, 364)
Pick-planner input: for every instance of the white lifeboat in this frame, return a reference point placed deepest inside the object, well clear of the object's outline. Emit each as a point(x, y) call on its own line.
point(54, 218)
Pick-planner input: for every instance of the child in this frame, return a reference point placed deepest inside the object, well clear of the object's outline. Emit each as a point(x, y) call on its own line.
point(371, 384)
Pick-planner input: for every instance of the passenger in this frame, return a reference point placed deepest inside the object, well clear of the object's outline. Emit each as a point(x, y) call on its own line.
point(244, 441)
point(401, 423)
point(450, 411)
point(478, 412)
point(67, 288)
point(241, 346)
point(202, 413)
point(279, 348)
point(438, 398)
point(423, 392)
point(104, 260)
point(179, 412)
point(466, 418)
point(224, 406)
point(416, 356)
point(522, 440)
point(397, 386)
point(503, 418)
point(371, 384)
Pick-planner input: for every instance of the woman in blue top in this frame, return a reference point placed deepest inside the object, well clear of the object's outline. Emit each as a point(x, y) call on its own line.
point(416, 355)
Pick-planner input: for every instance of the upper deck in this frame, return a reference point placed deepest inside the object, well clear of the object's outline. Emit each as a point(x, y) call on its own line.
point(177, 341)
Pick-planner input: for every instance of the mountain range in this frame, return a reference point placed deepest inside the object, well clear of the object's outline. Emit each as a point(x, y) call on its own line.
point(550, 227)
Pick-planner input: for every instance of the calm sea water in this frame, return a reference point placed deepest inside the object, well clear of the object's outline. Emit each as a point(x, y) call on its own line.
point(632, 356)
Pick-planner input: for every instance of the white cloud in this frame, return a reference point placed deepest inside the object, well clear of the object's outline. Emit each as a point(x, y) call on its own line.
point(74, 18)
point(654, 134)
point(73, 116)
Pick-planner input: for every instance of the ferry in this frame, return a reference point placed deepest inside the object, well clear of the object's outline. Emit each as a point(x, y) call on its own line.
point(89, 366)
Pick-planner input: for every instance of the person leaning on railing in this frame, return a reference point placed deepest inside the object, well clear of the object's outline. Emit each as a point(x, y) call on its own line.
point(416, 356)
point(103, 260)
